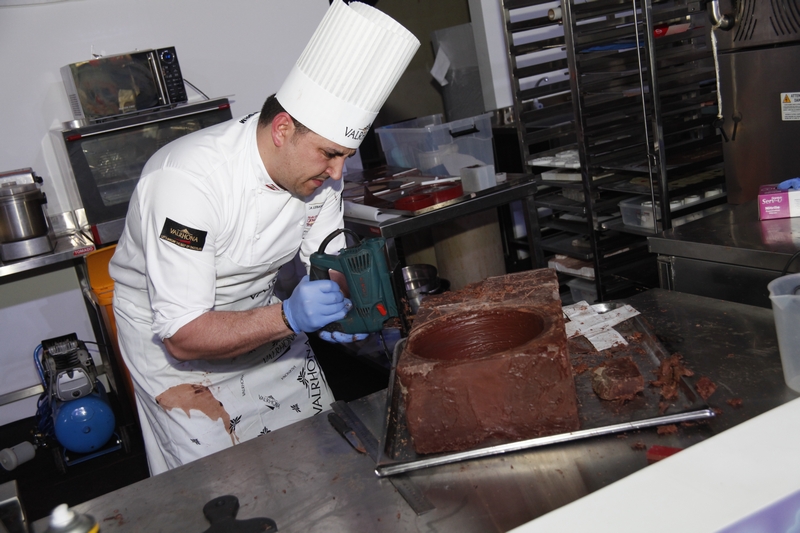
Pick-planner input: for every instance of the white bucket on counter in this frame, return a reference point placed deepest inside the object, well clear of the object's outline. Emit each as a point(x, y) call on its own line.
point(784, 292)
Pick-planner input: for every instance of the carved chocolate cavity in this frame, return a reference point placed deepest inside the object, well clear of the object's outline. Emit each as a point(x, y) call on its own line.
point(475, 334)
point(488, 364)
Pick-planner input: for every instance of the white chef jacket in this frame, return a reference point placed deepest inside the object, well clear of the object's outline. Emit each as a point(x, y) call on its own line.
point(207, 229)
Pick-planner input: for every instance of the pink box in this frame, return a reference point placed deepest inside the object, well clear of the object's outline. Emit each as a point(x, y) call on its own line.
point(775, 203)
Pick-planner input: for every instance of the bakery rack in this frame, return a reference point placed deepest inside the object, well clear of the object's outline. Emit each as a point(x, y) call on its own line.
point(637, 125)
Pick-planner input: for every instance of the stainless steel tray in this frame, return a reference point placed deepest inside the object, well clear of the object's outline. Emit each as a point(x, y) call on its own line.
point(385, 198)
point(598, 417)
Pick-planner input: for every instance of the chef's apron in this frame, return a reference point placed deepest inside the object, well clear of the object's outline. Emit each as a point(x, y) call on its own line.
point(190, 409)
point(213, 184)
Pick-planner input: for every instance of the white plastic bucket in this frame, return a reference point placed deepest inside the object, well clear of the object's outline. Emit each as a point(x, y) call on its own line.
point(785, 295)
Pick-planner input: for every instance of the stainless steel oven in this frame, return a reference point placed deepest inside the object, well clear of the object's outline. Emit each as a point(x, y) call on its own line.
point(106, 159)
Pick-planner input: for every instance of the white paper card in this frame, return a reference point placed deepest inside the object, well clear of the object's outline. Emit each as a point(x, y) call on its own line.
point(598, 328)
point(440, 67)
point(366, 212)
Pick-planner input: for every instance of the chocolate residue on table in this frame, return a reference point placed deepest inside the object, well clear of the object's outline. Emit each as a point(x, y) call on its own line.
point(635, 337)
point(580, 368)
point(669, 376)
point(192, 396)
point(705, 387)
point(734, 402)
point(667, 430)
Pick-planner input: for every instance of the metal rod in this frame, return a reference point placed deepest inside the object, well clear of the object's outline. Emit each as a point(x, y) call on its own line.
point(648, 144)
point(11, 397)
point(389, 470)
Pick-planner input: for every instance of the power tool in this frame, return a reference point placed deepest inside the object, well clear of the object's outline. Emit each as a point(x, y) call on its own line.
point(368, 278)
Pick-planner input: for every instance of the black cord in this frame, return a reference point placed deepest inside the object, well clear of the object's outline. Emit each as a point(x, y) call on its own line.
point(190, 84)
point(44, 416)
point(789, 262)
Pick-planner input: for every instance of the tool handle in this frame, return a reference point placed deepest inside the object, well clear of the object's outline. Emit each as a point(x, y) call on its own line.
point(337, 423)
point(318, 272)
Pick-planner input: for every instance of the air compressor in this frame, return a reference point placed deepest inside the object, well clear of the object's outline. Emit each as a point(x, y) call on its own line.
point(74, 410)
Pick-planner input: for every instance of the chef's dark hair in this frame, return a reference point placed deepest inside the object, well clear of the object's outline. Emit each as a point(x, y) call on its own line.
point(271, 108)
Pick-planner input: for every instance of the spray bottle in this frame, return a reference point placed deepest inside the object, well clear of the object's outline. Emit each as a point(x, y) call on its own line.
point(65, 520)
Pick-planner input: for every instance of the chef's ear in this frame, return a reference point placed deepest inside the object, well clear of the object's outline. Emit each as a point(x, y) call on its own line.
point(282, 128)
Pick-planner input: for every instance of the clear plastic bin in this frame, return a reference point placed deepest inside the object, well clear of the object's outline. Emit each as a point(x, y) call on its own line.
point(638, 212)
point(582, 290)
point(436, 148)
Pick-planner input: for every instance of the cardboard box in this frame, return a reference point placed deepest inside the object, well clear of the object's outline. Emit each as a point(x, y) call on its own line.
point(775, 203)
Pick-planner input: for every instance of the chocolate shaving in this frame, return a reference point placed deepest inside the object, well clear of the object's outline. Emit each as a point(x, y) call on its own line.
point(670, 429)
point(705, 387)
point(734, 402)
point(580, 368)
point(669, 376)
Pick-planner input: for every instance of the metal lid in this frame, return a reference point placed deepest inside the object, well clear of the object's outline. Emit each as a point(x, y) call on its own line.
point(13, 189)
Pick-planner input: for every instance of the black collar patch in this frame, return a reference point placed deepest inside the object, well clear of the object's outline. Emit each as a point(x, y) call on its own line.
point(183, 236)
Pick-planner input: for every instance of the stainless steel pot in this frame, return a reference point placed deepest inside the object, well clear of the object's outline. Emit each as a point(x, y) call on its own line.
point(421, 280)
point(22, 214)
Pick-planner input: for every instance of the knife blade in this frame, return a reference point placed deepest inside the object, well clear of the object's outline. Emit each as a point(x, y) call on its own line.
point(346, 431)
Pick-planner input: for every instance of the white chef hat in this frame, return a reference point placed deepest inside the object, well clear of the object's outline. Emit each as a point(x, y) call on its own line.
point(346, 72)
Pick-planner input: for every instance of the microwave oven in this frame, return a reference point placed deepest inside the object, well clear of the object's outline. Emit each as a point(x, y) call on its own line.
point(104, 161)
point(109, 87)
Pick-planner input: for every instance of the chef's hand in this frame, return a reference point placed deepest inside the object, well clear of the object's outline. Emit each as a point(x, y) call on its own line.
point(342, 338)
point(315, 304)
point(793, 183)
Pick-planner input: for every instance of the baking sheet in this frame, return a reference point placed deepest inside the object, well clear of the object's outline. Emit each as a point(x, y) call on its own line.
point(598, 417)
point(383, 193)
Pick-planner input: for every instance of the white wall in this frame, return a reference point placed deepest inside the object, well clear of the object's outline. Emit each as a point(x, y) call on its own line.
point(242, 48)
point(32, 310)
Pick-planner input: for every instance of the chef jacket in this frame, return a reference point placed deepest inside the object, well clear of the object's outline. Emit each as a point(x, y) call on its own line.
point(208, 229)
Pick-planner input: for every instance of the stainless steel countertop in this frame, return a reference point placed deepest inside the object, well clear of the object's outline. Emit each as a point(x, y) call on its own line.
point(67, 248)
point(734, 236)
point(71, 242)
point(307, 478)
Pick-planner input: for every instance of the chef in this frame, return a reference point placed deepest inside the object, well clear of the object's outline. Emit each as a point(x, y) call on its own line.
point(215, 357)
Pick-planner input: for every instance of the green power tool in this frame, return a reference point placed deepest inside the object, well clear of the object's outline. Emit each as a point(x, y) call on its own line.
point(364, 267)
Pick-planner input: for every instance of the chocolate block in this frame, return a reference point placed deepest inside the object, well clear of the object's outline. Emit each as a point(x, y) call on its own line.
point(618, 379)
point(488, 364)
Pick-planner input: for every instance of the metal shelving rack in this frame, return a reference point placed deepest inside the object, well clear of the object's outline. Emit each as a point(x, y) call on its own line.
point(643, 103)
point(542, 106)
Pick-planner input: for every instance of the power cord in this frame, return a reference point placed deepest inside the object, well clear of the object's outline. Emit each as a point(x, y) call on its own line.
point(190, 84)
point(789, 262)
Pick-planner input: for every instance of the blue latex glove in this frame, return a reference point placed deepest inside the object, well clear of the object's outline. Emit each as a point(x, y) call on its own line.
point(342, 338)
point(793, 183)
point(315, 304)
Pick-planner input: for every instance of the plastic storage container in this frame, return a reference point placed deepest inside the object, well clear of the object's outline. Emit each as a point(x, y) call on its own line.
point(436, 148)
point(582, 290)
point(638, 212)
point(784, 292)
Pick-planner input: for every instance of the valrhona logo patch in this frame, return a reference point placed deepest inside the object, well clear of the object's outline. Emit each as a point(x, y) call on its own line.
point(185, 237)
